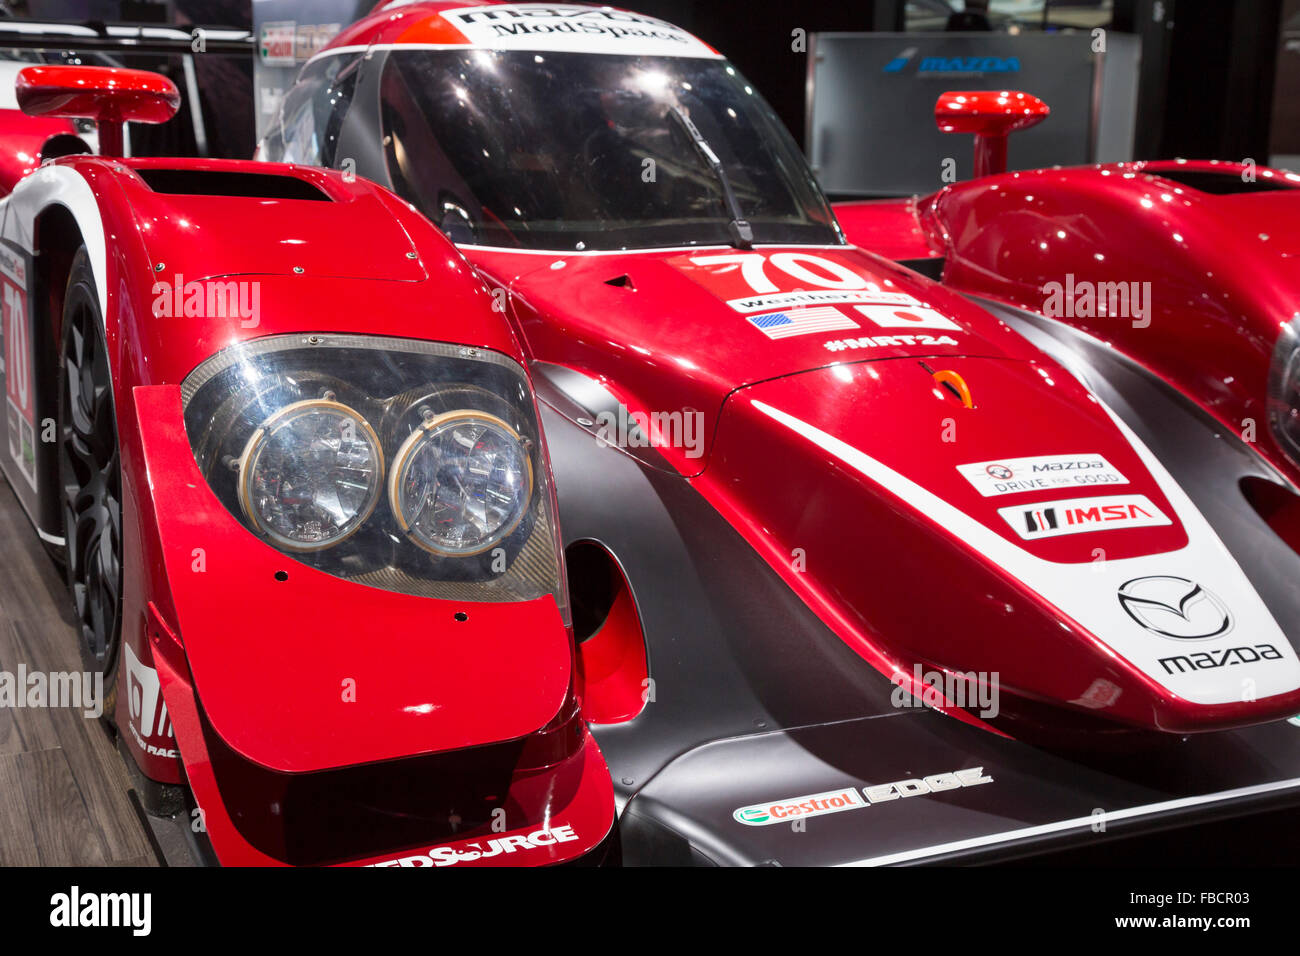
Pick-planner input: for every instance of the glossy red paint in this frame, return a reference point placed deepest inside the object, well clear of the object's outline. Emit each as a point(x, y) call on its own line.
point(577, 793)
point(1211, 326)
point(23, 141)
point(565, 307)
point(992, 115)
point(888, 227)
point(108, 95)
point(612, 670)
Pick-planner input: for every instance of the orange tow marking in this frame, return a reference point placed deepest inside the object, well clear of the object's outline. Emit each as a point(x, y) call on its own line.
point(957, 383)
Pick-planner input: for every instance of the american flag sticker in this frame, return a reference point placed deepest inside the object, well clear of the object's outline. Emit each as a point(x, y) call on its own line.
point(800, 321)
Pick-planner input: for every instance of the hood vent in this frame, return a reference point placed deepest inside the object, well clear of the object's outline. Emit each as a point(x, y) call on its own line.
point(1219, 184)
point(200, 182)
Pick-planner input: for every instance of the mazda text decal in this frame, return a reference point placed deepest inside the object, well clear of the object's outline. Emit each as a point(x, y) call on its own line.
point(1175, 607)
point(1209, 660)
point(1009, 476)
point(1050, 519)
point(848, 798)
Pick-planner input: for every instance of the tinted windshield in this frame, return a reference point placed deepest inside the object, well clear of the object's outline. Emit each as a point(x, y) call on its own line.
point(579, 151)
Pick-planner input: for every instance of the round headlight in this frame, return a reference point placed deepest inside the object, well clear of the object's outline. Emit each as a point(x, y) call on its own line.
point(311, 474)
point(460, 483)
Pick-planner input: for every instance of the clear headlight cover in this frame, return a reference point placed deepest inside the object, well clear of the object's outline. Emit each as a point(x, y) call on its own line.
point(311, 474)
point(460, 483)
point(406, 465)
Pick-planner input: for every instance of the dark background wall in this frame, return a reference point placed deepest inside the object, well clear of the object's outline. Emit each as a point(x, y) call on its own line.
point(1207, 79)
point(1207, 73)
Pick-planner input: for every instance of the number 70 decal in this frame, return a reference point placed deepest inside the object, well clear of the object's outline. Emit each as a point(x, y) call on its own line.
point(753, 269)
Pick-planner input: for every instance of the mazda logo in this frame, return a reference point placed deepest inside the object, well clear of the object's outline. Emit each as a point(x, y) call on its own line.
point(1175, 607)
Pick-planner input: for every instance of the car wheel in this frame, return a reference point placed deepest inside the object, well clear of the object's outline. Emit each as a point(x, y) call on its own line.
point(90, 481)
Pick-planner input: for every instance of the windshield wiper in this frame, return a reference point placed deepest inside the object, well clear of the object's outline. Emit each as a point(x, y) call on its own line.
point(742, 236)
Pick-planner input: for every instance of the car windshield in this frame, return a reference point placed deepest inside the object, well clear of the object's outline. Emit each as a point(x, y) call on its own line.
point(586, 151)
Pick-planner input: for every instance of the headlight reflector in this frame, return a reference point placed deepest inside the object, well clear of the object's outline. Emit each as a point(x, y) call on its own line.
point(460, 483)
point(311, 474)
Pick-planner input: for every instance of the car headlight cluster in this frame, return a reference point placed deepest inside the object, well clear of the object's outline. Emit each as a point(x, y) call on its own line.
point(413, 466)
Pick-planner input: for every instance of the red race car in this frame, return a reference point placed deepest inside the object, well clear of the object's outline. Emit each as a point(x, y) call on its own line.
point(302, 496)
point(800, 484)
point(799, 488)
point(1182, 267)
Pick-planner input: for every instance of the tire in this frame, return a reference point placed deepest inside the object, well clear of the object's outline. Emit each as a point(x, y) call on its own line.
point(90, 478)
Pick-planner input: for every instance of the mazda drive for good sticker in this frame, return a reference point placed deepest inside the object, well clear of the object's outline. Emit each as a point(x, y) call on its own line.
point(1050, 519)
point(1007, 476)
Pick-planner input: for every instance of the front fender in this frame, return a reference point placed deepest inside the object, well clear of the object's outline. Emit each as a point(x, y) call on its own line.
point(323, 721)
point(298, 670)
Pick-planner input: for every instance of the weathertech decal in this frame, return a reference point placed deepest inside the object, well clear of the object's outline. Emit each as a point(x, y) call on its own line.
point(848, 798)
point(1008, 476)
point(473, 851)
point(1050, 519)
point(565, 28)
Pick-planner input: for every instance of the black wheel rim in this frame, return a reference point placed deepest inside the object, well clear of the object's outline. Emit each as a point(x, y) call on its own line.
point(90, 479)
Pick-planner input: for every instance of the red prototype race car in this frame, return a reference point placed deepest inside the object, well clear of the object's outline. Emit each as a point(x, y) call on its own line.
point(798, 486)
point(795, 476)
point(212, 404)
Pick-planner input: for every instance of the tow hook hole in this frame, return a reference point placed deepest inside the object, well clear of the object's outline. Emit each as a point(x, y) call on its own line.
point(461, 616)
point(282, 575)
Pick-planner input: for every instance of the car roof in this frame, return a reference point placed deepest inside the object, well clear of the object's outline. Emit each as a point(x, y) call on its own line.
point(492, 24)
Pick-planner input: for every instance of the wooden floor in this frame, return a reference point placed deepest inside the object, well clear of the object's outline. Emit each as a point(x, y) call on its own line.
point(65, 797)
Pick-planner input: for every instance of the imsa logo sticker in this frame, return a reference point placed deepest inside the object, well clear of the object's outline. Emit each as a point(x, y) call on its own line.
point(1050, 519)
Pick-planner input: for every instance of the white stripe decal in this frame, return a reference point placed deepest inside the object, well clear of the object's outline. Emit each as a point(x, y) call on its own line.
point(1088, 593)
point(1078, 823)
point(60, 185)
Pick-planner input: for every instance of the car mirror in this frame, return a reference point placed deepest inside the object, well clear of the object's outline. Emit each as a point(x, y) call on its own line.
point(109, 96)
point(992, 115)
